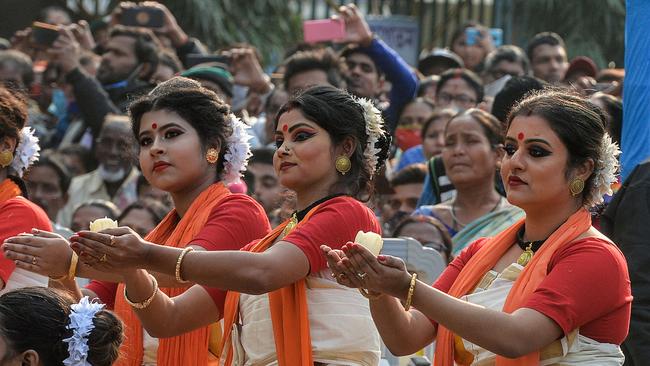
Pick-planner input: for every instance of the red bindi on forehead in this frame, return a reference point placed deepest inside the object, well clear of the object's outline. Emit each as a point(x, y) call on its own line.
point(154, 125)
point(520, 136)
point(285, 127)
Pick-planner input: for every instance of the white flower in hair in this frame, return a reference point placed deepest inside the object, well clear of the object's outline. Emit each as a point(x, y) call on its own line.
point(605, 173)
point(81, 324)
point(238, 151)
point(27, 151)
point(374, 130)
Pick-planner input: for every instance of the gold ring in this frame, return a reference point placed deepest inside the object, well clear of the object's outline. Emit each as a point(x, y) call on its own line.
point(361, 275)
point(341, 276)
point(103, 258)
point(112, 241)
point(33, 261)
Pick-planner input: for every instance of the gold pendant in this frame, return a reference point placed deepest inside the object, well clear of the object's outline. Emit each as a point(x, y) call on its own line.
point(290, 225)
point(526, 256)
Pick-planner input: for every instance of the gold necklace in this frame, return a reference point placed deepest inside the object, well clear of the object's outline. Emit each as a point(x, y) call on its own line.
point(293, 221)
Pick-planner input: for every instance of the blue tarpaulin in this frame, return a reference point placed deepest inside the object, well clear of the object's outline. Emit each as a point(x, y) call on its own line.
point(635, 142)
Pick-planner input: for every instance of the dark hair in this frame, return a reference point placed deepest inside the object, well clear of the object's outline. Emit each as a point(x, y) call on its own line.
point(341, 116)
point(417, 219)
point(578, 123)
point(262, 155)
point(411, 174)
point(426, 82)
point(156, 209)
point(614, 113)
point(21, 62)
point(492, 127)
point(323, 59)
point(146, 45)
point(514, 90)
point(549, 38)
point(437, 114)
point(49, 159)
point(468, 76)
point(354, 48)
point(200, 107)
point(508, 53)
point(169, 59)
point(13, 115)
point(111, 210)
point(460, 32)
point(80, 151)
point(36, 318)
point(424, 100)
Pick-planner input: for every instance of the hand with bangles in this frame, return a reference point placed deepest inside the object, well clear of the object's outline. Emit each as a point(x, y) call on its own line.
point(356, 267)
point(41, 252)
point(116, 250)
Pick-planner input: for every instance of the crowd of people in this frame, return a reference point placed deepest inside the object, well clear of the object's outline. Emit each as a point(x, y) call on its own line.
point(238, 195)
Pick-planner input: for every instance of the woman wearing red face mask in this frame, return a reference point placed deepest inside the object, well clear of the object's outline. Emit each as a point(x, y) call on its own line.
point(433, 140)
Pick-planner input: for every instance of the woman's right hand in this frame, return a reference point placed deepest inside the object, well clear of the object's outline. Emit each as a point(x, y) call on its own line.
point(355, 266)
point(41, 252)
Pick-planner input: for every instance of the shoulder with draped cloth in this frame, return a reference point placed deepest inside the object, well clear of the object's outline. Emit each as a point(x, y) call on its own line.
point(216, 220)
point(18, 215)
point(314, 319)
point(581, 283)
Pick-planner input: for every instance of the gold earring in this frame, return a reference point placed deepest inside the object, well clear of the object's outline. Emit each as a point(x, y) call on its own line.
point(343, 164)
point(576, 186)
point(6, 157)
point(212, 155)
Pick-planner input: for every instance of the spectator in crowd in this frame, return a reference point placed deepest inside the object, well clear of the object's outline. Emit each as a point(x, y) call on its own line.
point(472, 42)
point(433, 140)
point(505, 60)
point(428, 231)
point(313, 67)
point(213, 76)
point(413, 116)
point(47, 182)
point(267, 189)
point(16, 71)
point(115, 178)
point(168, 66)
point(548, 58)
point(438, 61)
point(581, 75)
point(428, 86)
point(370, 62)
point(459, 89)
point(262, 130)
point(77, 159)
point(91, 210)
point(55, 15)
point(147, 192)
point(407, 187)
point(613, 108)
point(512, 92)
point(143, 216)
point(471, 156)
point(39, 326)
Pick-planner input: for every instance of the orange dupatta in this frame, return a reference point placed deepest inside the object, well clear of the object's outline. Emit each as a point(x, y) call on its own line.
point(289, 314)
point(8, 190)
point(190, 348)
point(529, 279)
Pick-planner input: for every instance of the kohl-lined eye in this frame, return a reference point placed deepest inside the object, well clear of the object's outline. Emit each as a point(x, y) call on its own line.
point(510, 149)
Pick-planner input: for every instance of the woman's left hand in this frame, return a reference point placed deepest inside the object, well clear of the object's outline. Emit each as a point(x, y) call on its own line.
point(111, 250)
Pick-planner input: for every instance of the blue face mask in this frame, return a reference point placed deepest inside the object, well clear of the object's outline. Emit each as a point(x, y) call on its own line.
point(59, 104)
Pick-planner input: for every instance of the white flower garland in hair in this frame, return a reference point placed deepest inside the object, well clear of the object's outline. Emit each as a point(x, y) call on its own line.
point(27, 151)
point(374, 130)
point(605, 174)
point(238, 151)
point(81, 323)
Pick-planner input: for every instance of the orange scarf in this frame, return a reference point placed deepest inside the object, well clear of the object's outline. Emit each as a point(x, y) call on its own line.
point(8, 190)
point(529, 279)
point(189, 348)
point(289, 314)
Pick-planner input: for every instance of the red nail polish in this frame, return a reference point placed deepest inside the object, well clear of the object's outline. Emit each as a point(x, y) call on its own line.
point(381, 257)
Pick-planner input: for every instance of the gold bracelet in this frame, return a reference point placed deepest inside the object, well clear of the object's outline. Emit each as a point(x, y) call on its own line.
point(368, 295)
point(143, 304)
point(409, 297)
point(72, 271)
point(179, 261)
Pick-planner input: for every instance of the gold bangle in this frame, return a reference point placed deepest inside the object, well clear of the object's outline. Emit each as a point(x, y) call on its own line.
point(179, 261)
point(409, 297)
point(143, 304)
point(72, 271)
point(368, 295)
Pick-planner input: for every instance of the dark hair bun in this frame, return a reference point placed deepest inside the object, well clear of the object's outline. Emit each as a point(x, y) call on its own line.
point(105, 339)
point(383, 144)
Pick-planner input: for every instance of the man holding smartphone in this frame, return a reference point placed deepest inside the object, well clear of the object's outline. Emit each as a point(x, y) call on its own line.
point(370, 62)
